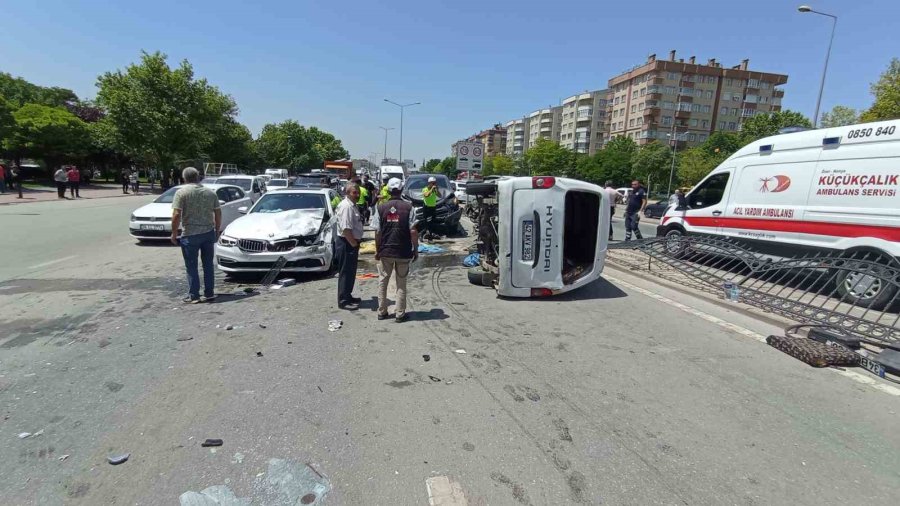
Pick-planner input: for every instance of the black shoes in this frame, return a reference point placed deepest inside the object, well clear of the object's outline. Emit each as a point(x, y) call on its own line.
point(383, 317)
point(401, 319)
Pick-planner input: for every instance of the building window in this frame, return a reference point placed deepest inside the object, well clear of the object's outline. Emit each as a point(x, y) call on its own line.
point(764, 85)
point(753, 83)
point(686, 91)
point(692, 137)
point(763, 100)
point(633, 109)
point(721, 125)
point(668, 105)
point(705, 123)
point(734, 112)
point(672, 76)
point(669, 90)
point(667, 120)
point(631, 122)
point(706, 108)
point(729, 81)
point(752, 99)
point(732, 125)
point(702, 137)
point(694, 123)
point(709, 94)
point(695, 107)
point(723, 111)
point(643, 91)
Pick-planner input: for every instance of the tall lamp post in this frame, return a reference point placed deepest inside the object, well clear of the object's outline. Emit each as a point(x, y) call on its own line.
point(386, 130)
point(401, 106)
point(674, 137)
point(806, 8)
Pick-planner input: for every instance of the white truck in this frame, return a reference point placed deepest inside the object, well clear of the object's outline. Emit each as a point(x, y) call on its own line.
point(826, 190)
point(539, 236)
point(392, 171)
point(277, 173)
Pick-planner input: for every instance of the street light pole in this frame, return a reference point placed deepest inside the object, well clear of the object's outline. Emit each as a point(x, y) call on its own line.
point(806, 8)
point(674, 136)
point(401, 106)
point(385, 141)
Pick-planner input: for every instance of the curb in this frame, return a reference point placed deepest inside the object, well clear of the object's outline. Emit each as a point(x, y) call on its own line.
point(750, 311)
point(15, 201)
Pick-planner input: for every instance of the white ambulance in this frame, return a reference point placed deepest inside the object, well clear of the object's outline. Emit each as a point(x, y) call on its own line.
point(832, 189)
point(539, 236)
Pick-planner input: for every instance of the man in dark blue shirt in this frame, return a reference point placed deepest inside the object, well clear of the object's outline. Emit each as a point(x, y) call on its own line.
point(637, 201)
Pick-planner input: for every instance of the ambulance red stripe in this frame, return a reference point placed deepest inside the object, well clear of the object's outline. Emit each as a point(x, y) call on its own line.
point(801, 227)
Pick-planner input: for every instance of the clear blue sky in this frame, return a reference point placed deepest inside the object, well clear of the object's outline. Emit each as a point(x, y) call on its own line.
point(331, 63)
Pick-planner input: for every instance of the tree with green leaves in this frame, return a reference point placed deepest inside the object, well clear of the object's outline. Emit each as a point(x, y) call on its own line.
point(764, 125)
point(19, 92)
point(431, 165)
point(722, 144)
point(839, 116)
point(52, 134)
point(161, 114)
point(694, 164)
point(325, 146)
point(615, 160)
point(887, 95)
point(285, 145)
point(232, 141)
point(447, 167)
point(503, 166)
point(548, 158)
point(652, 163)
point(7, 122)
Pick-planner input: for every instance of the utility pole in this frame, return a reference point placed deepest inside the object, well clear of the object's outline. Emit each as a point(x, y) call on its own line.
point(401, 106)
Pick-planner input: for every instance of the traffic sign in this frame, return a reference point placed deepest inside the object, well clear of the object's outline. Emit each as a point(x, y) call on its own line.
point(469, 156)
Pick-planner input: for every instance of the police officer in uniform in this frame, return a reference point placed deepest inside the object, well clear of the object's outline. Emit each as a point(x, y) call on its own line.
point(396, 245)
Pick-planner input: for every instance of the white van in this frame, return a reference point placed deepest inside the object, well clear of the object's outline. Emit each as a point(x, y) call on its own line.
point(391, 171)
point(277, 173)
point(834, 189)
point(539, 236)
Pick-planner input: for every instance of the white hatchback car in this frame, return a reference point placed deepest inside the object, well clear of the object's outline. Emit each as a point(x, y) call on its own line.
point(296, 224)
point(153, 222)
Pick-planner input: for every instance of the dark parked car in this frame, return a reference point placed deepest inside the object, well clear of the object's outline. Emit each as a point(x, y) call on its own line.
point(656, 209)
point(448, 210)
point(312, 181)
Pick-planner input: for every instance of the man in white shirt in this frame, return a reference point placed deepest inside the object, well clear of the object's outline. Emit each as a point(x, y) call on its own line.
point(350, 233)
point(614, 198)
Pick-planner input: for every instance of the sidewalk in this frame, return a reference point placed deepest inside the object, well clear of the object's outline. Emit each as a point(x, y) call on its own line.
point(48, 193)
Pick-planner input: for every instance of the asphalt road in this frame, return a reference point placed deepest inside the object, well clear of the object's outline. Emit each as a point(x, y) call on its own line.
point(609, 395)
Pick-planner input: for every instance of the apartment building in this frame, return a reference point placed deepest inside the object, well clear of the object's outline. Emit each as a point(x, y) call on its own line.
point(687, 100)
point(516, 136)
point(583, 125)
point(544, 124)
point(494, 140)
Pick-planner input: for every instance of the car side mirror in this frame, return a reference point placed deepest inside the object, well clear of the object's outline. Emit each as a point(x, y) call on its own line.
point(243, 209)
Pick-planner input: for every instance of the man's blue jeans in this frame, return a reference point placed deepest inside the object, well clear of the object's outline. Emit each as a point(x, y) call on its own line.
point(205, 244)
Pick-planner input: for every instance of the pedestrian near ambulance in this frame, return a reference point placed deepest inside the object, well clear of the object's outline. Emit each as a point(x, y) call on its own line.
point(350, 233)
point(135, 181)
point(74, 178)
point(62, 180)
point(126, 180)
point(637, 201)
point(396, 245)
point(614, 198)
point(195, 209)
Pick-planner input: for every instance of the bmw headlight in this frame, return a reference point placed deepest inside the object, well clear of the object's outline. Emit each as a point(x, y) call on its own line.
point(227, 241)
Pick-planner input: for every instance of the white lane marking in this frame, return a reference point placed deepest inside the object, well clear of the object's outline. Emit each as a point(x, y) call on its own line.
point(51, 262)
point(443, 492)
point(855, 376)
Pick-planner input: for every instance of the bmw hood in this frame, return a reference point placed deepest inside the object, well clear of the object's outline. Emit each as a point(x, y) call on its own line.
point(154, 210)
point(272, 226)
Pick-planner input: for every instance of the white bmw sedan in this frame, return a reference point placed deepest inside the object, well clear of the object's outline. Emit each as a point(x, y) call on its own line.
point(296, 224)
point(153, 222)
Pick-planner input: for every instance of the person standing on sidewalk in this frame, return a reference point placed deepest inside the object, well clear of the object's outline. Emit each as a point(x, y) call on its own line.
point(2, 178)
point(126, 180)
point(16, 177)
point(637, 201)
point(196, 209)
point(350, 233)
point(135, 181)
point(61, 179)
point(74, 178)
point(614, 198)
point(396, 245)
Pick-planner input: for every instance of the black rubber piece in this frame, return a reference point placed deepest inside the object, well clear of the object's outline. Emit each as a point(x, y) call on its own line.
point(476, 277)
point(481, 189)
point(212, 442)
point(825, 335)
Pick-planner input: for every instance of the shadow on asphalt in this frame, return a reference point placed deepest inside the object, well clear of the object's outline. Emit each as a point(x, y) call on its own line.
point(424, 316)
point(600, 289)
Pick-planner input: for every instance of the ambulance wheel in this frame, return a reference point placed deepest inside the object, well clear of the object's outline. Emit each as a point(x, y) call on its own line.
point(676, 242)
point(871, 287)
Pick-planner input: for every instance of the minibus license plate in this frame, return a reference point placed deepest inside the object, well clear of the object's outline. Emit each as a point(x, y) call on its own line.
point(528, 241)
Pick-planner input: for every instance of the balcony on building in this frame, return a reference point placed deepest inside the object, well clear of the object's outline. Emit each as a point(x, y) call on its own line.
point(682, 114)
point(778, 93)
point(584, 113)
